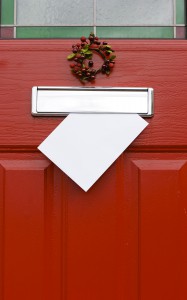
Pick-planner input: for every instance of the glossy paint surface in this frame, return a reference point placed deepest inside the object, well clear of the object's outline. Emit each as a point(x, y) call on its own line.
point(126, 239)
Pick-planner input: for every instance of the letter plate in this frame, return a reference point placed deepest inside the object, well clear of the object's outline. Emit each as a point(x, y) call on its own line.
point(60, 101)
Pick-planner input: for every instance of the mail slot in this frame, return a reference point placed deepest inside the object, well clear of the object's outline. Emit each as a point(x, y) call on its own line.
point(60, 101)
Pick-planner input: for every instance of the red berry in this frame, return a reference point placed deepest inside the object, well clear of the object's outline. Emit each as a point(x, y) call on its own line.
point(111, 65)
point(76, 69)
point(104, 67)
point(72, 65)
point(93, 46)
point(90, 63)
point(83, 39)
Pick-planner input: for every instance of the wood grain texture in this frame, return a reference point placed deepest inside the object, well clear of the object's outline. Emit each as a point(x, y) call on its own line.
point(1, 231)
point(126, 237)
point(158, 64)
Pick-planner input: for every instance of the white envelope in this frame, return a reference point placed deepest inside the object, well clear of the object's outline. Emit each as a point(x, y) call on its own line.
point(85, 145)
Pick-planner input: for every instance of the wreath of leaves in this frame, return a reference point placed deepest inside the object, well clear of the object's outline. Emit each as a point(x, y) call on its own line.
point(83, 65)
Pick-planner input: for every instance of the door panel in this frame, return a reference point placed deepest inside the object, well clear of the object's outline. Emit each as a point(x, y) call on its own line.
point(63, 241)
point(23, 193)
point(162, 225)
point(125, 238)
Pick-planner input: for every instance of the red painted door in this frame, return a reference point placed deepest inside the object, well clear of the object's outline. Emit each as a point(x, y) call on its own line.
point(126, 238)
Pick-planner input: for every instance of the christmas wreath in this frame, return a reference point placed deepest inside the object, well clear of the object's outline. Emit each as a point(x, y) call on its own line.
point(82, 56)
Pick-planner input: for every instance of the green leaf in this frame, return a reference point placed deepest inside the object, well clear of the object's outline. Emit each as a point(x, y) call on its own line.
point(88, 52)
point(107, 47)
point(85, 49)
point(84, 78)
point(71, 56)
point(88, 56)
point(112, 57)
point(108, 72)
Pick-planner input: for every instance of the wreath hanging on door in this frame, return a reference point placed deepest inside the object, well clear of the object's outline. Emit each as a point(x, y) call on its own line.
point(82, 65)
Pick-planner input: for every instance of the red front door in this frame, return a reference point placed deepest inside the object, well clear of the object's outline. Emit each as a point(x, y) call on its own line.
point(126, 238)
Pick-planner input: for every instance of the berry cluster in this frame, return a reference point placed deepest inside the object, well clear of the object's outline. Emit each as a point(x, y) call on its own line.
point(82, 52)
